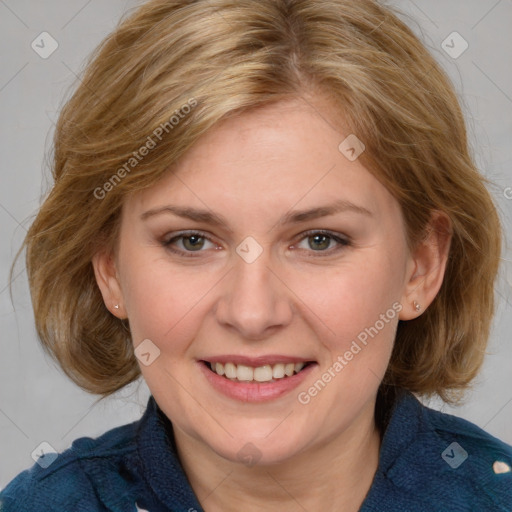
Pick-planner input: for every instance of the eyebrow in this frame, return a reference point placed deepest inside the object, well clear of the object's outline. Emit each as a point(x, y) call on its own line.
point(292, 217)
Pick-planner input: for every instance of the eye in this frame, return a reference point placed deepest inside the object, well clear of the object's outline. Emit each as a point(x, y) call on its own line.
point(190, 241)
point(187, 243)
point(324, 241)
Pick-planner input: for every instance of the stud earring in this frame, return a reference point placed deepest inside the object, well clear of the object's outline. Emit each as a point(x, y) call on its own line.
point(417, 307)
point(116, 306)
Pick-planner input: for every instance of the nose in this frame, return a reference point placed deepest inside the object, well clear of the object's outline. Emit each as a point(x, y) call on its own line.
point(255, 300)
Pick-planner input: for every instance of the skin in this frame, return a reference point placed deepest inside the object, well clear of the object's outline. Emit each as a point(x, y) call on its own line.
point(303, 297)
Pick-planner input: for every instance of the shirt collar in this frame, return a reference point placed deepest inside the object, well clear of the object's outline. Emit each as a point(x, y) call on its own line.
point(160, 463)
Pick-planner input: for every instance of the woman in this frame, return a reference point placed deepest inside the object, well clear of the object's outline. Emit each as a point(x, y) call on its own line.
point(268, 209)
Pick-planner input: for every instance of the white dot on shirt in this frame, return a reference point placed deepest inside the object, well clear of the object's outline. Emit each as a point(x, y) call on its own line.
point(501, 467)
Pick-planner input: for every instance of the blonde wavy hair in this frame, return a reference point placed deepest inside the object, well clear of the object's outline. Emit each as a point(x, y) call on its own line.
point(224, 57)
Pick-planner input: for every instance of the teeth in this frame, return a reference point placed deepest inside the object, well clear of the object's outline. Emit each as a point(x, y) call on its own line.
point(278, 371)
point(244, 372)
point(263, 373)
point(230, 370)
point(289, 369)
point(266, 373)
point(219, 368)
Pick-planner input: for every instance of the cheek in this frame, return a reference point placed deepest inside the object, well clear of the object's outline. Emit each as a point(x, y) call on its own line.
point(166, 302)
point(359, 305)
point(354, 296)
point(158, 297)
point(165, 306)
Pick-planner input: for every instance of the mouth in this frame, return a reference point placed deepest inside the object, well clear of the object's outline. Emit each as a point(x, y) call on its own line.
point(263, 373)
point(255, 379)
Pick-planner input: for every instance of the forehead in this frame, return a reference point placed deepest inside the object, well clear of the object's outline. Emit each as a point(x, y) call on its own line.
point(276, 156)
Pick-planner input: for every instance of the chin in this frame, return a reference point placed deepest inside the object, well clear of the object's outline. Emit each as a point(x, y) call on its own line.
point(251, 450)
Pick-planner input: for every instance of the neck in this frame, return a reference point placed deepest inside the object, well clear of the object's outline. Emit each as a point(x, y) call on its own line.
point(333, 475)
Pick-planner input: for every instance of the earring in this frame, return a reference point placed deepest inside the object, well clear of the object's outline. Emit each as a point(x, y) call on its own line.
point(417, 307)
point(116, 306)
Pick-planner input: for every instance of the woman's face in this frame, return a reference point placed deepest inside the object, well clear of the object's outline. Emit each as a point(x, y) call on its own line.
point(264, 248)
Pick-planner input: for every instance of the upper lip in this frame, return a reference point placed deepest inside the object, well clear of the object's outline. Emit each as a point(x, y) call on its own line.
point(255, 362)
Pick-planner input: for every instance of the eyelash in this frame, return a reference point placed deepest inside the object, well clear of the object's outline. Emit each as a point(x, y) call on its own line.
point(342, 242)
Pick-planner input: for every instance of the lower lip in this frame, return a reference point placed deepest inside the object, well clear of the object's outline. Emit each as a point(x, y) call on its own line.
point(255, 391)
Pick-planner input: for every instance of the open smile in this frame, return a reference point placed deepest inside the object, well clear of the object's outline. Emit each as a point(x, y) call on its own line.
point(252, 381)
point(264, 373)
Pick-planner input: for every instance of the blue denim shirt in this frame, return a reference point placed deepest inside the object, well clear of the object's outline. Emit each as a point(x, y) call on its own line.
point(429, 461)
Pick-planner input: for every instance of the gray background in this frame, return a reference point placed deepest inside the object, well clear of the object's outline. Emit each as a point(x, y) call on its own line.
point(37, 403)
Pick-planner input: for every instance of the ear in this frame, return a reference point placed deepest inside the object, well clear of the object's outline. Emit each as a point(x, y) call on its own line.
point(107, 279)
point(427, 265)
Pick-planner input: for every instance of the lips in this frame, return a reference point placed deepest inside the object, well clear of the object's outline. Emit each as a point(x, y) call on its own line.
point(248, 388)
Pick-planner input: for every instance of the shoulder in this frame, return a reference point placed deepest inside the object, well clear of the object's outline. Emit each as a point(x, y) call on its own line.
point(466, 442)
point(451, 461)
point(63, 481)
